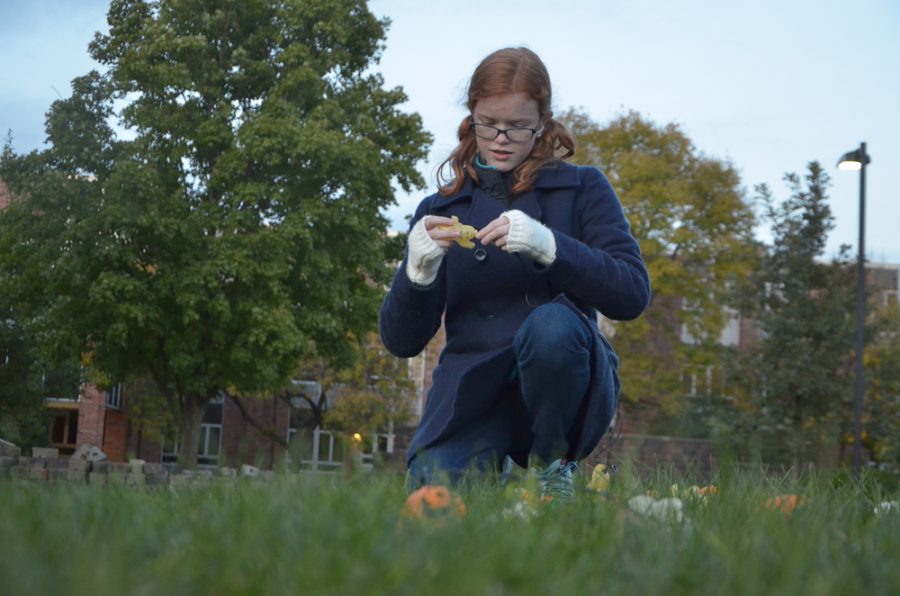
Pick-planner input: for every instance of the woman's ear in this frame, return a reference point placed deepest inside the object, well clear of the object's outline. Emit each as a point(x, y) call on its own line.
point(546, 120)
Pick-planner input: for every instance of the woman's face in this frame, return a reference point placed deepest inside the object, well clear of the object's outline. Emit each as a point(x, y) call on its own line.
point(513, 110)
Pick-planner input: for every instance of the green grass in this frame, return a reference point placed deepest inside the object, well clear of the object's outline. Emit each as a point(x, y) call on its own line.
point(346, 536)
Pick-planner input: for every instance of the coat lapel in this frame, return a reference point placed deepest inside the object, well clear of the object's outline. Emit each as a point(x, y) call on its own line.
point(528, 204)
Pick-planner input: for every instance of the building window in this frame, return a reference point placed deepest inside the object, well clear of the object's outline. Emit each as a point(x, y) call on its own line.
point(317, 449)
point(210, 442)
point(64, 430)
point(114, 397)
point(891, 297)
point(322, 449)
point(381, 443)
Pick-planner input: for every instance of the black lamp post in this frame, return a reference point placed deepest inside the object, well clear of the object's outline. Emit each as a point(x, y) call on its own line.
point(857, 160)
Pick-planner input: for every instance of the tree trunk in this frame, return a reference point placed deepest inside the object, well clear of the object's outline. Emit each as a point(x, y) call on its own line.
point(192, 411)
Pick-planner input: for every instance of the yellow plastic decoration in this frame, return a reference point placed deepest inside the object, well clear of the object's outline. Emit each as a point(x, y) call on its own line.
point(600, 479)
point(466, 233)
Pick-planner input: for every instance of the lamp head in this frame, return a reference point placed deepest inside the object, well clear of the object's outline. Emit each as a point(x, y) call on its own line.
point(853, 160)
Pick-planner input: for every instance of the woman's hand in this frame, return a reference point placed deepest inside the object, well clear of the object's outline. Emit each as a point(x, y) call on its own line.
point(514, 231)
point(426, 246)
point(496, 233)
point(443, 238)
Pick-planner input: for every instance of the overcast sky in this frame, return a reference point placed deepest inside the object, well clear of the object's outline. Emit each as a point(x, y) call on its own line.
point(769, 85)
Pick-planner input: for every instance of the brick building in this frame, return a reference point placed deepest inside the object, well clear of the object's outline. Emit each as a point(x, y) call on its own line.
point(91, 416)
point(101, 418)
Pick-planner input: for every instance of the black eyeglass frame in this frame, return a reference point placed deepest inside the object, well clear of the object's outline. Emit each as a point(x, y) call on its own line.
point(505, 131)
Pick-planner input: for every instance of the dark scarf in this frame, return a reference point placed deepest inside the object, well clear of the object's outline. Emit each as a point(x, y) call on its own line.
point(495, 183)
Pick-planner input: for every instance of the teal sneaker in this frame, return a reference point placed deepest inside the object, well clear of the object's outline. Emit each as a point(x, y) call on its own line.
point(557, 481)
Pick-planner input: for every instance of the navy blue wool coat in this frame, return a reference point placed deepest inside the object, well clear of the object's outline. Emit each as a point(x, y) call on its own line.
point(485, 294)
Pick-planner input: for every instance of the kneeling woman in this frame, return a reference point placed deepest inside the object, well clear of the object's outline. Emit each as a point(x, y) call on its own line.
point(525, 374)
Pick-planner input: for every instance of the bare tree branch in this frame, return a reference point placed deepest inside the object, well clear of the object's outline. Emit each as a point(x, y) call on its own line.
point(266, 432)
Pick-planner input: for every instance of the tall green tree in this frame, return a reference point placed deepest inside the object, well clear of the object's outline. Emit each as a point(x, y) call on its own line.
point(695, 231)
point(374, 395)
point(800, 372)
point(22, 418)
point(209, 211)
point(881, 422)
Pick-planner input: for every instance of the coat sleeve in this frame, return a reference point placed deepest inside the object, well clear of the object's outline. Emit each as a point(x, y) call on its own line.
point(411, 314)
point(603, 267)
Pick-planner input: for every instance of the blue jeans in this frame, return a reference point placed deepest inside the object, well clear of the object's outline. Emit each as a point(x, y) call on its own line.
point(553, 371)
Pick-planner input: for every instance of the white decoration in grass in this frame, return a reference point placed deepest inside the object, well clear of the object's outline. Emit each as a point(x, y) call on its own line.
point(668, 509)
point(887, 507)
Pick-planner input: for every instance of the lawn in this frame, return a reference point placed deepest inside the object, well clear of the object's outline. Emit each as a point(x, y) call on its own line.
point(334, 535)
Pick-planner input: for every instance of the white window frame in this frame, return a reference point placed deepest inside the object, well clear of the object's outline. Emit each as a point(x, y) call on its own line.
point(203, 454)
point(204, 457)
point(323, 456)
point(114, 398)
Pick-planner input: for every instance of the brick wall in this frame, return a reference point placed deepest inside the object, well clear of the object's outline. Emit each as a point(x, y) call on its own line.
point(692, 457)
point(91, 414)
point(243, 444)
point(115, 437)
point(144, 448)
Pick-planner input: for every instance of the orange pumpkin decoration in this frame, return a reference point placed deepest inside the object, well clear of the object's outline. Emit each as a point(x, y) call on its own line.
point(708, 490)
point(785, 503)
point(433, 500)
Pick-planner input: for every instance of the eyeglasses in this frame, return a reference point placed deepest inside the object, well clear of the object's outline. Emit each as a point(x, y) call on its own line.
point(516, 134)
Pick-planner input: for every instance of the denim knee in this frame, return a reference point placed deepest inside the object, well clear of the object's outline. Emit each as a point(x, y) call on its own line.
point(553, 334)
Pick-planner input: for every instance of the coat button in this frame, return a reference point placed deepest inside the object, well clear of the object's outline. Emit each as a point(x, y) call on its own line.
point(480, 254)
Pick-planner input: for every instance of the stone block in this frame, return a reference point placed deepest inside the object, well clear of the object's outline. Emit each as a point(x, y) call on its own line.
point(19, 472)
point(154, 469)
point(78, 476)
point(248, 471)
point(157, 479)
point(24, 461)
point(101, 466)
point(58, 474)
point(89, 453)
point(119, 468)
point(45, 452)
point(8, 449)
point(35, 473)
point(79, 465)
point(7, 461)
point(137, 466)
point(179, 480)
point(56, 464)
point(98, 478)
point(133, 479)
point(227, 472)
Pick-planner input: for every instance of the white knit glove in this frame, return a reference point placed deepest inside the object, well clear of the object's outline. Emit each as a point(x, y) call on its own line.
point(530, 237)
point(424, 256)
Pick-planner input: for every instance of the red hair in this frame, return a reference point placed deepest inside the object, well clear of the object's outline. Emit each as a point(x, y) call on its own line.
point(510, 70)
